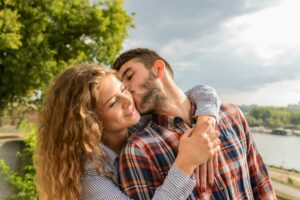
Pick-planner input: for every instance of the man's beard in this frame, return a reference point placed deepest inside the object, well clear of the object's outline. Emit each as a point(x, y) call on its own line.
point(154, 98)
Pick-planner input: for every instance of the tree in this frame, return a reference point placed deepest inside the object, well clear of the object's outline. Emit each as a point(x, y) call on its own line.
point(39, 38)
point(252, 121)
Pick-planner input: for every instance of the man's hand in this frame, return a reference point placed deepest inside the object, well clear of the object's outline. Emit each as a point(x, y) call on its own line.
point(206, 172)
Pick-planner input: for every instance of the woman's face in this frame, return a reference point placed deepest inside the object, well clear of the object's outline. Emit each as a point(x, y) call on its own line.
point(117, 109)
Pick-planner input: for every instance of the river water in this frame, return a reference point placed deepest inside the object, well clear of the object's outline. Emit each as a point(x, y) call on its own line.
point(281, 151)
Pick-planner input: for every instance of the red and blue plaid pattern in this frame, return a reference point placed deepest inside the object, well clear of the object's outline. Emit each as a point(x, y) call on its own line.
point(149, 154)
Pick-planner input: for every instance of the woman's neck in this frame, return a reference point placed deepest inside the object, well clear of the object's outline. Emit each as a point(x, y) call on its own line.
point(115, 140)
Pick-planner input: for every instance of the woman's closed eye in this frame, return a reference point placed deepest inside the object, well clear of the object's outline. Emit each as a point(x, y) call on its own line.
point(113, 102)
point(116, 99)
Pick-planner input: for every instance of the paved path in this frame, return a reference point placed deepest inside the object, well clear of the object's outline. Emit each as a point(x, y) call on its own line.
point(289, 192)
point(10, 144)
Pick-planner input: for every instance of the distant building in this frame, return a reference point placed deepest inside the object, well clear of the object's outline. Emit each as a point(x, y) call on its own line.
point(260, 129)
point(281, 131)
point(296, 132)
point(294, 106)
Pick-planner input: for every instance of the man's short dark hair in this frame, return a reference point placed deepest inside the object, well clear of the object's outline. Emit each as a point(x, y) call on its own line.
point(144, 55)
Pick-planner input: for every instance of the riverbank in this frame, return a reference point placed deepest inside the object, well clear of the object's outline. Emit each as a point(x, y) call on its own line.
point(286, 183)
point(275, 131)
point(288, 177)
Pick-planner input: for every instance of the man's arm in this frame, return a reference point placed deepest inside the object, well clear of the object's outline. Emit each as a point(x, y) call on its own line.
point(259, 177)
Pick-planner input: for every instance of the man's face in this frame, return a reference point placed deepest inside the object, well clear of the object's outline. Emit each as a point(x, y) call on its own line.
point(142, 84)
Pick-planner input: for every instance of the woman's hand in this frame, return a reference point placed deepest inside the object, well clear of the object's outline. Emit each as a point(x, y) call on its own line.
point(195, 148)
point(206, 172)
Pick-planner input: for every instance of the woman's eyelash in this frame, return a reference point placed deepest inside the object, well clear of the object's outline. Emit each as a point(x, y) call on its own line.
point(123, 89)
point(113, 103)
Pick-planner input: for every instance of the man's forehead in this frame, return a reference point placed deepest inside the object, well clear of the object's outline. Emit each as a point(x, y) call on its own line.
point(127, 66)
point(123, 70)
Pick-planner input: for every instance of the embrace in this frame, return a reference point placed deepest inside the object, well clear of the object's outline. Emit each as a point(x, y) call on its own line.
point(131, 133)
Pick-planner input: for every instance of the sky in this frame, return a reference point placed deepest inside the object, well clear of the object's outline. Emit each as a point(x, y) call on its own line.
point(248, 50)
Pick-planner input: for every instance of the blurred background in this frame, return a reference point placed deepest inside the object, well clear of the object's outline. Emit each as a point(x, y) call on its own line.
point(248, 50)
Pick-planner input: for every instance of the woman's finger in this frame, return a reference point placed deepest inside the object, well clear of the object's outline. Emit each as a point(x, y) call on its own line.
point(210, 172)
point(203, 177)
point(214, 135)
point(216, 163)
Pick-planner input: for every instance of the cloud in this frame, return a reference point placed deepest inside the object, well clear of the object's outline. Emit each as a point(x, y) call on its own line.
point(278, 93)
point(237, 47)
point(168, 20)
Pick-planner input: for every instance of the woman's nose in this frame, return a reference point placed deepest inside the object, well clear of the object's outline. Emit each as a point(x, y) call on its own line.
point(127, 99)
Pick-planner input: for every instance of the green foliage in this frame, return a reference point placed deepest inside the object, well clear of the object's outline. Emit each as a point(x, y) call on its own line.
point(273, 117)
point(39, 38)
point(252, 121)
point(22, 179)
point(290, 181)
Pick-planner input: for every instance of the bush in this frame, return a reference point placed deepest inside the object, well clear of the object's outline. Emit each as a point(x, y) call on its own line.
point(22, 179)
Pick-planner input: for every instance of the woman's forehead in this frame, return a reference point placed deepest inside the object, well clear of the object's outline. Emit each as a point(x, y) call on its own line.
point(109, 86)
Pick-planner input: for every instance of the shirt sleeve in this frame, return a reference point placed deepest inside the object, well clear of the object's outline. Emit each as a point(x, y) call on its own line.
point(94, 187)
point(206, 99)
point(139, 178)
point(177, 185)
point(259, 176)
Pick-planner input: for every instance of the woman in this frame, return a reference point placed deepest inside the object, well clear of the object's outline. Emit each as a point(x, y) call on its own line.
point(74, 147)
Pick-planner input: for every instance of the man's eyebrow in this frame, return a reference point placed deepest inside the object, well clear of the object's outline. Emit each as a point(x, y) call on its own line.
point(125, 72)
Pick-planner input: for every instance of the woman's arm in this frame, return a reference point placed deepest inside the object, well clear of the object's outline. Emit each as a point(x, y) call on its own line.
point(206, 100)
point(204, 97)
point(207, 113)
point(193, 151)
point(176, 185)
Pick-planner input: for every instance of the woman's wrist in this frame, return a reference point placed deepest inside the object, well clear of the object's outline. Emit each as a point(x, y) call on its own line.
point(185, 167)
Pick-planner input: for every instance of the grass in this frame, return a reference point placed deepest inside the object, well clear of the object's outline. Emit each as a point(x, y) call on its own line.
point(288, 177)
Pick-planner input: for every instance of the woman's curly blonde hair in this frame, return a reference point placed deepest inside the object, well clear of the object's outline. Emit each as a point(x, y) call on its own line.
point(69, 132)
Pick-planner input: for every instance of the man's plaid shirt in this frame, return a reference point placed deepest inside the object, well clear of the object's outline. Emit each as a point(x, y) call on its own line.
point(149, 154)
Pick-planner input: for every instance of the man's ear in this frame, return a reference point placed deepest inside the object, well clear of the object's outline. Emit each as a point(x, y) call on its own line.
point(159, 68)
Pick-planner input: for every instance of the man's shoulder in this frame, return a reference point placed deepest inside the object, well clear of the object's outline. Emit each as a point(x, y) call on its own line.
point(229, 108)
point(229, 114)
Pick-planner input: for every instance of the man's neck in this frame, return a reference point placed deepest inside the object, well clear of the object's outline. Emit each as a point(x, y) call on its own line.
point(176, 104)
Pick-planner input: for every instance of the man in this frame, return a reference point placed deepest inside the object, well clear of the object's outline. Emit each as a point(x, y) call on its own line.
point(149, 153)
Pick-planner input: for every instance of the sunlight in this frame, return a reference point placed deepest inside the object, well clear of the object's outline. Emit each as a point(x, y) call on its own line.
point(269, 32)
